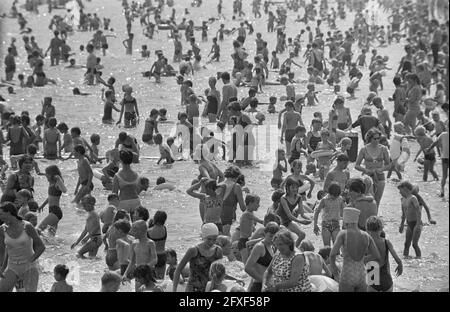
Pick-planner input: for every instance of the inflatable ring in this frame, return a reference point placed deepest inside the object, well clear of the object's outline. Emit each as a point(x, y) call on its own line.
point(322, 153)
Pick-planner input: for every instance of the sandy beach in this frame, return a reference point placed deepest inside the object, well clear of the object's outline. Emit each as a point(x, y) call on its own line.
point(431, 273)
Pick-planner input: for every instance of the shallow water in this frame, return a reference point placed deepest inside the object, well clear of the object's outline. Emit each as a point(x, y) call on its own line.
point(430, 274)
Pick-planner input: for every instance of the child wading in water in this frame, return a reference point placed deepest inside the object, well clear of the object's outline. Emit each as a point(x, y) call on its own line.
point(60, 273)
point(55, 189)
point(91, 237)
point(85, 175)
point(412, 214)
point(143, 250)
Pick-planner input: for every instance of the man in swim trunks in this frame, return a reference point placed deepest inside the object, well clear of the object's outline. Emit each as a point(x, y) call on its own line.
point(85, 174)
point(290, 122)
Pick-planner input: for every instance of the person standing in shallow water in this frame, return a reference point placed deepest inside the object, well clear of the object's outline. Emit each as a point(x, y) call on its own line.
point(126, 184)
point(22, 246)
point(129, 109)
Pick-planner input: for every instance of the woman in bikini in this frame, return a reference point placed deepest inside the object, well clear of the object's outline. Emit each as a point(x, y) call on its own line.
point(355, 245)
point(55, 189)
point(157, 232)
point(260, 257)
point(126, 184)
point(232, 196)
point(22, 245)
point(376, 160)
point(129, 109)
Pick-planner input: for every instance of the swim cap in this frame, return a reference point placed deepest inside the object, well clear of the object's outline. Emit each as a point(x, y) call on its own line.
point(209, 229)
point(351, 215)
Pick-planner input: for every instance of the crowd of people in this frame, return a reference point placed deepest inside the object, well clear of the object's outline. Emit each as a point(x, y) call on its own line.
point(277, 256)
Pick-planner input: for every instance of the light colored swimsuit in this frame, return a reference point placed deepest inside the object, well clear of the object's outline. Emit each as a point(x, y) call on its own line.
point(353, 275)
point(282, 268)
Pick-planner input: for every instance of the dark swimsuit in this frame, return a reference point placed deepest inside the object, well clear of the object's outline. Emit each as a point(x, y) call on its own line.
point(285, 221)
point(314, 141)
point(199, 267)
point(162, 257)
point(385, 274)
point(54, 191)
point(265, 262)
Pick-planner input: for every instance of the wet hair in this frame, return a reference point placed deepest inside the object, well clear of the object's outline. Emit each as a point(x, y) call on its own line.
point(11, 209)
point(171, 252)
point(232, 172)
point(306, 245)
point(112, 196)
point(374, 224)
point(276, 195)
point(321, 194)
point(53, 171)
point(211, 184)
point(25, 194)
point(142, 212)
point(25, 120)
point(62, 127)
point(160, 180)
point(95, 139)
point(111, 277)
point(420, 131)
point(126, 157)
point(325, 252)
point(357, 185)
point(62, 270)
point(217, 271)
point(160, 217)
point(286, 238)
point(406, 184)
point(271, 217)
point(24, 159)
point(225, 76)
point(290, 182)
point(121, 214)
point(145, 272)
point(223, 241)
point(334, 189)
point(371, 133)
point(271, 227)
point(158, 138)
point(251, 198)
point(75, 130)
